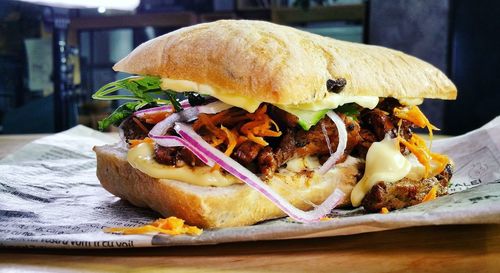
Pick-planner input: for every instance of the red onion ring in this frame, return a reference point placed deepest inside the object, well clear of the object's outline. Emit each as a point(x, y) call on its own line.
point(165, 108)
point(242, 173)
point(340, 147)
point(214, 107)
point(161, 127)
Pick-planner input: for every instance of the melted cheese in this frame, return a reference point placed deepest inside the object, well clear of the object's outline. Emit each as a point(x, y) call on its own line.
point(384, 162)
point(411, 101)
point(302, 163)
point(141, 158)
point(248, 104)
point(331, 101)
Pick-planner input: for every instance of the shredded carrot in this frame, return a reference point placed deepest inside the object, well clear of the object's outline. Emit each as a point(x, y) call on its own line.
point(416, 144)
point(231, 139)
point(170, 226)
point(216, 141)
point(418, 147)
point(230, 146)
point(245, 126)
point(258, 140)
point(384, 210)
point(414, 115)
point(421, 152)
point(431, 195)
point(135, 142)
point(442, 161)
point(153, 118)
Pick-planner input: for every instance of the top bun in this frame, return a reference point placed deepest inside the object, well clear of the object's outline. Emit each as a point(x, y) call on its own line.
point(283, 65)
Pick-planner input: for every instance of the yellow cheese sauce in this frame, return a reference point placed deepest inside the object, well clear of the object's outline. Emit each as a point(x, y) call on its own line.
point(248, 104)
point(384, 162)
point(331, 101)
point(141, 157)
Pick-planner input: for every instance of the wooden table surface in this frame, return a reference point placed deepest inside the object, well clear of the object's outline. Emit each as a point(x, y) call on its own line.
point(454, 248)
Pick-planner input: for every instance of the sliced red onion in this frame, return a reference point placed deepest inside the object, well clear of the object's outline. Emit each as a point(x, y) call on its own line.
point(188, 114)
point(165, 108)
point(242, 173)
point(342, 133)
point(175, 141)
point(161, 127)
point(214, 107)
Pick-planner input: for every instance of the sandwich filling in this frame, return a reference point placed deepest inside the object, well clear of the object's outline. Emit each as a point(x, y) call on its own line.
point(399, 167)
point(398, 171)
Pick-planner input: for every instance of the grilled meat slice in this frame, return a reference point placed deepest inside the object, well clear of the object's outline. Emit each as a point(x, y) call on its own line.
point(283, 118)
point(133, 128)
point(367, 138)
point(405, 192)
point(166, 155)
point(247, 152)
point(176, 156)
point(379, 122)
point(315, 141)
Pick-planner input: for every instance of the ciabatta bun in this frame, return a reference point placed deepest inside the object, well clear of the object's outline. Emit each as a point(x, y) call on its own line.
point(216, 207)
point(283, 65)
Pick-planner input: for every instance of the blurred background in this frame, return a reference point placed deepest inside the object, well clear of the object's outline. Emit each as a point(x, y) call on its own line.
point(55, 54)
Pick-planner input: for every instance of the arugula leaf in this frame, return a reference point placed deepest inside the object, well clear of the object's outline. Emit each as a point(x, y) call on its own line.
point(144, 91)
point(137, 86)
point(121, 113)
point(175, 103)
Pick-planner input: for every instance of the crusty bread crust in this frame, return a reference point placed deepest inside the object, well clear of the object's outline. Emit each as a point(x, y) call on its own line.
point(283, 65)
point(216, 207)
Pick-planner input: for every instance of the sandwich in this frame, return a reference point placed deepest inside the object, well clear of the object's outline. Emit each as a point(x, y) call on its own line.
point(235, 122)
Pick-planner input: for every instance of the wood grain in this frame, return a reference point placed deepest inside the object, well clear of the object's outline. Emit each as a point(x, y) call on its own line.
point(455, 248)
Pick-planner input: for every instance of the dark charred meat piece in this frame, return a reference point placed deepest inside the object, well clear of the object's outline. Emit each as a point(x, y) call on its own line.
point(283, 118)
point(286, 148)
point(176, 156)
point(188, 157)
point(247, 152)
point(380, 123)
point(166, 155)
point(388, 105)
point(367, 138)
point(405, 129)
point(132, 130)
point(405, 192)
point(267, 163)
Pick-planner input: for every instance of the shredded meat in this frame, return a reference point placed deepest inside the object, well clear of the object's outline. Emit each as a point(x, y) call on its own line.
point(299, 143)
point(132, 128)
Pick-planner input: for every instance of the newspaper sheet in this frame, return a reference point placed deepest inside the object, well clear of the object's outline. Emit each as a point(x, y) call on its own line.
point(50, 197)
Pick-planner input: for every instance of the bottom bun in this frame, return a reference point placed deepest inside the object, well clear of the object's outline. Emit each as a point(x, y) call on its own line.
point(216, 207)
